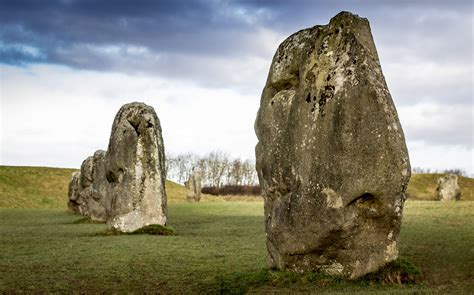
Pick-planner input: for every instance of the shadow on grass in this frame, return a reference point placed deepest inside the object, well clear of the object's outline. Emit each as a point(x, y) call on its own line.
point(152, 229)
point(398, 272)
point(87, 220)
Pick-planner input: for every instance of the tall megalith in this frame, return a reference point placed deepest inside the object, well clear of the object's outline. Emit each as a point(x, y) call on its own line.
point(125, 185)
point(331, 157)
point(136, 169)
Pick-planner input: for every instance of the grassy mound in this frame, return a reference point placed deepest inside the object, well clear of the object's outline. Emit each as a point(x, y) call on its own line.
point(423, 187)
point(44, 187)
point(34, 187)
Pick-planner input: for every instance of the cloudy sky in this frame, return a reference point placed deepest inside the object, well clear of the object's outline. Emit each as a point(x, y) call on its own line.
point(67, 66)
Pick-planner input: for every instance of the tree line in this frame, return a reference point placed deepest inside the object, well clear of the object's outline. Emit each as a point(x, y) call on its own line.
point(457, 171)
point(216, 169)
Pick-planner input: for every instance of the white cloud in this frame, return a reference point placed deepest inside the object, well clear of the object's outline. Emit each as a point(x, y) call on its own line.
point(55, 116)
point(438, 124)
point(441, 157)
point(431, 82)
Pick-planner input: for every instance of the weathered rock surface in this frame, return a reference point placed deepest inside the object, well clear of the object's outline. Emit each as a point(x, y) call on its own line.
point(193, 188)
point(448, 188)
point(125, 186)
point(136, 169)
point(331, 157)
point(88, 190)
point(74, 203)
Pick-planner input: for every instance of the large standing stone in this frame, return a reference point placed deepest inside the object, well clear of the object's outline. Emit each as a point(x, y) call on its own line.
point(193, 188)
point(448, 188)
point(125, 186)
point(136, 169)
point(331, 157)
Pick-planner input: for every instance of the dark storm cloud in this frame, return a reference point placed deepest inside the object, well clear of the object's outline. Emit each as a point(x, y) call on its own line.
point(215, 28)
point(207, 41)
point(198, 27)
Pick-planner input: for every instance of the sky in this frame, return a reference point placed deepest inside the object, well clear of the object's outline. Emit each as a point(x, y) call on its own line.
point(66, 67)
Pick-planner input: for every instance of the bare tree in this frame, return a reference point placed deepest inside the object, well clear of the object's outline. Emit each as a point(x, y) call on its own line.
point(236, 172)
point(249, 173)
point(218, 163)
point(215, 169)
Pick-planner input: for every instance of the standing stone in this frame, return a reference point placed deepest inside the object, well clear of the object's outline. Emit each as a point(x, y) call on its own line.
point(448, 188)
point(136, 169)
point(88, 188)
point(193, 188)
point(331, 157)
point(97, 190)
point(74, 203)
point(125, 185)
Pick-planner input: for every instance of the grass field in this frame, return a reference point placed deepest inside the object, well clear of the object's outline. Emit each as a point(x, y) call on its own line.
point(219, 246)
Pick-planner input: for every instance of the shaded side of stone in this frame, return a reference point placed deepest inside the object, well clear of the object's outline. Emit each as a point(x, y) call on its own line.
point(88, 190)
point(74, 202)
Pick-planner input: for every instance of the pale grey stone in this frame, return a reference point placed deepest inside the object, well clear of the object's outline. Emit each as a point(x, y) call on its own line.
point(193, 188)
point(448, 188)
point(125, 186)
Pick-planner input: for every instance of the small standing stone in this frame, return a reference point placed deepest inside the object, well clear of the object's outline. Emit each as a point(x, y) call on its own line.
point(193, 188)
point(448, 188)
point(74, 203)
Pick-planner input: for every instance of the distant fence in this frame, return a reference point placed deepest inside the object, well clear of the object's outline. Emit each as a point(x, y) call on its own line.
point(235, 190)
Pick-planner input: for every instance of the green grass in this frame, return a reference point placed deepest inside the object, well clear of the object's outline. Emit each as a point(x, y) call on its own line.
point(423, 187)
point(396, 272)
point(219, 248)
point(44, 187)
point(152, 229)
point(33, 187)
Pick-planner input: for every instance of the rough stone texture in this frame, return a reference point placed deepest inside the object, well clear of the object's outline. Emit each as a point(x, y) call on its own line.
point(88, 188)
point(448, 188)
point(74, 203)
point(193, 188)
point(125, 186)
point(136, 169)
point(331, 157)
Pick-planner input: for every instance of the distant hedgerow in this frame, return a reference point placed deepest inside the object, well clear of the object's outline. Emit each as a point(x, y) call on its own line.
point(247, 190)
